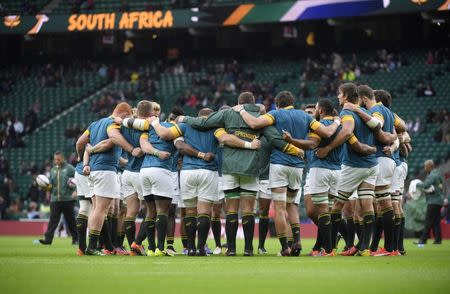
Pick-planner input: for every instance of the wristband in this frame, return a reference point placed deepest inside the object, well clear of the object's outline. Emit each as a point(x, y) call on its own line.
point(155, 123)
point(201, 155)
point(242, 110)
point(338, 122)
point(155, 153)
point(84, 165)
point(248, 145)
point(132, 150)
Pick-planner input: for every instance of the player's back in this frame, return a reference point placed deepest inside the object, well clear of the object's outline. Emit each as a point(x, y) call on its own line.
point(364, 135)
point(386, 115)
point(297, 123)
point(161, 145)
point(98, 131)
point(132, 136)
point(205, 142)
point(333, 160)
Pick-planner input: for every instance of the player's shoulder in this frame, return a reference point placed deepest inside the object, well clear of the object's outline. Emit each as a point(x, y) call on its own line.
point(346, 112)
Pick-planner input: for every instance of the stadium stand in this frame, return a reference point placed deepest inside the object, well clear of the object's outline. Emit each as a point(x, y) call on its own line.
point(24, 7)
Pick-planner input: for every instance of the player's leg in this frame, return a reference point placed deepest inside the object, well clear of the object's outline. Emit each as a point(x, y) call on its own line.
point(216, 225)
point(264, 206)
point(162, 210)
point(149, 224)
point(249, 187)
point(113, 223)
point(85, 202)
point(365, 195)
point(204, 207)
point(82, 222)
point(68, 210)
point(183, 230)
point(232, 202)
point(347, 213)
point(293, 219)
point(171, 227)
point(133, 205)
point(377, 228)
point(55, 215)
point(383, 197)
point(279, 202)
point(190, 223)
point(96, 222)
point(120, 224)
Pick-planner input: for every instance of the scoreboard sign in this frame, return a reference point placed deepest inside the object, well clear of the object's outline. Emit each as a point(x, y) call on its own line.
point(284, 11)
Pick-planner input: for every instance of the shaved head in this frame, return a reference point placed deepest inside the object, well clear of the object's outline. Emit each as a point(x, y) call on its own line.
point(428, 165)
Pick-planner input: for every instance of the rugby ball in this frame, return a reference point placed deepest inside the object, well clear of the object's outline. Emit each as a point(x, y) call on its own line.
point(42, 181)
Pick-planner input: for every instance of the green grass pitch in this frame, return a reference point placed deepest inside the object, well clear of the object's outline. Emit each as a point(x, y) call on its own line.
point(30, 268)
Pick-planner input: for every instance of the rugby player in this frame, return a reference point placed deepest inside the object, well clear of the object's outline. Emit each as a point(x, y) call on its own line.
point(400, 172)
point(358, 172)
point(286, 171)
point(324, 174)
point(131, 185)
point(378, 114)
point(102, 168)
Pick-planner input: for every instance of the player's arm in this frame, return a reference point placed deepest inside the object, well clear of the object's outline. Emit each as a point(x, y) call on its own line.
point(100, 147)
point(116, 137)
point(234, 141)
point(373, 122)
point(311, 143)
point(404, 150)
point(165, 133)
point(214, 120)
point(123, 161)
point(148, 148)
point(254, 122)
point(81, 144)
point(359, 147)
point(187, 149)
point(324, 131)
point(399, 124)
point(276, 140)
point(348, 125)
point(404, 137)
point(429, 181)
point(133, 123)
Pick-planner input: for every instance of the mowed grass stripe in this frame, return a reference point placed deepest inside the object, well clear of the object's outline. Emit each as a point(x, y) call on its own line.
point(26, 267)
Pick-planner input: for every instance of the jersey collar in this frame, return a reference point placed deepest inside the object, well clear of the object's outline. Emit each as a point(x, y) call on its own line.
point(328, 117)
point(288, 107)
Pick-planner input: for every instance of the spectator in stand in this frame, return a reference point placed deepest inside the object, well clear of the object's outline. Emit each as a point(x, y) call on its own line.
point(429, 91)
point(18, 127)
point(33, 212)
point(420, 90)
point(4, 165)
point(103, 71)
point(417, 126)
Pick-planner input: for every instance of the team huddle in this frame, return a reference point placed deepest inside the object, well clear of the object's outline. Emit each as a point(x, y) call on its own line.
point(350, 167)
